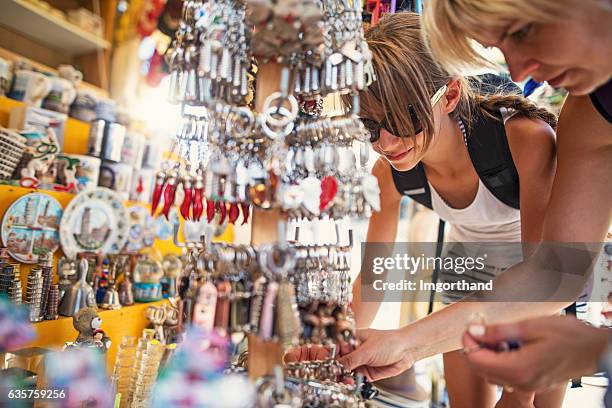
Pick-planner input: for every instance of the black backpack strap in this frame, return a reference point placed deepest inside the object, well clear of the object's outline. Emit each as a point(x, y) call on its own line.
point(490, 153)
point(413, 183)
point(436, 272)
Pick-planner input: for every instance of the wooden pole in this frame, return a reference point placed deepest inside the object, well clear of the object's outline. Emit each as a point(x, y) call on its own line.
point(264, 355)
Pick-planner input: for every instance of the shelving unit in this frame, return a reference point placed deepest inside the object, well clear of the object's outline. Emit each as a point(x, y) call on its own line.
point(44, 38)
point(76, 132)
point(127, 321)
point(15, 58)
point(49, 29)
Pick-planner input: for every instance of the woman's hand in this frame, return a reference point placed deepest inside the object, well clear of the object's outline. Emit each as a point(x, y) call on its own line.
point(381, 354)
point(306, 353)
point(553, 349)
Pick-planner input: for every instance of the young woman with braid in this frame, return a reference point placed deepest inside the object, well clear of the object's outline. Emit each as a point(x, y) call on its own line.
point(567, 43)
point(426, 122)
point(445, 130)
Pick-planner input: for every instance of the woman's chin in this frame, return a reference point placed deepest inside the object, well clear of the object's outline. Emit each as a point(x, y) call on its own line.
point(403, 165)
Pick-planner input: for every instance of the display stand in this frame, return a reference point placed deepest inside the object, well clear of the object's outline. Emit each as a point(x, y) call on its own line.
point(264, 355)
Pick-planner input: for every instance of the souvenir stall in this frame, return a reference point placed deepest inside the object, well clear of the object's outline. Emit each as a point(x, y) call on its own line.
point(119, 251)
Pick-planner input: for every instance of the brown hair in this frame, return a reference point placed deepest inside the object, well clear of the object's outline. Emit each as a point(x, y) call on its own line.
point(407, 74)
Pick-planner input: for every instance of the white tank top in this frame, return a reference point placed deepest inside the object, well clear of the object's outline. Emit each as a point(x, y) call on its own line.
point(486, 219)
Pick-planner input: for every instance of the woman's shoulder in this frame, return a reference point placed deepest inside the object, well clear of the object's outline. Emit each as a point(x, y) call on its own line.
point(526, 129)
point(582, 126)
point(530, 140)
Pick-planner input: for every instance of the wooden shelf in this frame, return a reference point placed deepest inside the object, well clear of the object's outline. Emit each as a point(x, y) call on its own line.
point(76, 132)
point(56, 32)
point(127, 321)
point(15, 58)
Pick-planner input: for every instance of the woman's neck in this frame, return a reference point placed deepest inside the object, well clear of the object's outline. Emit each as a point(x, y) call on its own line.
point(447, 156)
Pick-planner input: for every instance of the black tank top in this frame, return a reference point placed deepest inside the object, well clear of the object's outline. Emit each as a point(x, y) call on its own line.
point(602, 100)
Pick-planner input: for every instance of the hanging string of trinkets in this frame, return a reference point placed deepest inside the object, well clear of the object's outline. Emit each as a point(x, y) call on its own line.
point(227, 158)
point(291, 293)
point(297, 294)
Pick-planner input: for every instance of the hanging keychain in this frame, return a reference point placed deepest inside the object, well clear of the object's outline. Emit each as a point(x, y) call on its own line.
point(198, 194)
point(187, 182)
point(170, 190)
point(222, 312)
point(206, 300)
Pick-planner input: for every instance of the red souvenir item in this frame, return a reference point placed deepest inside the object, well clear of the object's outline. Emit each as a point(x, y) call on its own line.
point(188, 188)
point(198, 195)
point(234, 212)
point(210, 210)
point(160, 180)
point(329, 188)
point(198, 204)
point(222, 312)
point(147, 23)
point(245, 212)
point(170, 193)
point(223, 211)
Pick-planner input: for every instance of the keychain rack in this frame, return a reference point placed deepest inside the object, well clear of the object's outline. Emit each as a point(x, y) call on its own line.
point(283, 160)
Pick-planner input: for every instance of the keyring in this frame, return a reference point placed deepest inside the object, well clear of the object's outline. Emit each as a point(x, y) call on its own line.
point(293, 104)
point(271, 113)
point(272, 135)
point(44, 149)
point(234, 122)
point(28, 182)
point(267, 116)
point(267, 262)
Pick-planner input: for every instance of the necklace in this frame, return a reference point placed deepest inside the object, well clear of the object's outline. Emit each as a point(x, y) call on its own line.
point(464, 133)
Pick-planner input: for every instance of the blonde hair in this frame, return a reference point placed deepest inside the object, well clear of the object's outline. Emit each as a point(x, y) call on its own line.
point(407, 75)
point(449, 26)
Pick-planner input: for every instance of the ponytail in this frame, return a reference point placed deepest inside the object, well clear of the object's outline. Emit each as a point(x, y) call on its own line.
point(518, 103)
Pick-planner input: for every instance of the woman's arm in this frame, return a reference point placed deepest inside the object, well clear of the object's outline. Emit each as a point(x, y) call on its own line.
point(381, 228)
point(532, 144)
point(580, 210)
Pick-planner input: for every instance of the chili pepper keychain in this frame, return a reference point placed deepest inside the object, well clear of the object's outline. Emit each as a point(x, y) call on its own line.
point(187, 182)
point(198, 194)
point(160, 181)
point(210, 210)
point(170, 190)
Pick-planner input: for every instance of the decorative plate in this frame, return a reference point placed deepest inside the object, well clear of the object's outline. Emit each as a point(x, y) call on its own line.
point(30, 227)
point(164, 228)
point(95, 221)
point(142, 228)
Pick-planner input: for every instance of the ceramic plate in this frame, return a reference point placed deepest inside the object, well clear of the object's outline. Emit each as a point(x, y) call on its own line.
point(142, 228)
point(30, 227)
point(95, 221)
point(164, 228)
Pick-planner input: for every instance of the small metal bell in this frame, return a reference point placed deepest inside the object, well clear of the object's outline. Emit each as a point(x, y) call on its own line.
point(80, 295)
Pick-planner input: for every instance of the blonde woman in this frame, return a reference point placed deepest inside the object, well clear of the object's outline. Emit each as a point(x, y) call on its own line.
point(568, 43)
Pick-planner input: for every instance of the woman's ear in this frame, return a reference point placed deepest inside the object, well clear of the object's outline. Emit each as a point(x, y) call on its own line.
point(452, 96)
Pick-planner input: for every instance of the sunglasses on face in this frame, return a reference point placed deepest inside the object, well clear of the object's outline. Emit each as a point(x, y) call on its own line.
point(374, 127)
